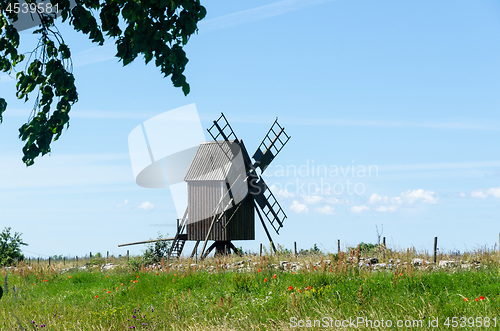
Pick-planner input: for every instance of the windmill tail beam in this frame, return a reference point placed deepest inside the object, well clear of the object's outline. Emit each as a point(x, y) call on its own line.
point(146, 241)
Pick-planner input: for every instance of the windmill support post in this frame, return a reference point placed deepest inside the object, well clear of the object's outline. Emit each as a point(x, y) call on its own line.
point(265, 228)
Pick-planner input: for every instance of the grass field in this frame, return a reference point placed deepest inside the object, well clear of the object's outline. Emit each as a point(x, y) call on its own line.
point(234, 293)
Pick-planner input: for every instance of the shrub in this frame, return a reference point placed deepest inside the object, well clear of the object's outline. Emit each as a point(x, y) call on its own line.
point(156, 251)
point(10, 247)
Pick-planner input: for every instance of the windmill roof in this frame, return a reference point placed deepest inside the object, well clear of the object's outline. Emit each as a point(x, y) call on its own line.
point(212, 161)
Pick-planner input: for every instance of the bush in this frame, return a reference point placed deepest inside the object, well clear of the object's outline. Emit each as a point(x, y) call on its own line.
point(364, 248)
point(156, 251)
point(10, 247)
point(311, 251)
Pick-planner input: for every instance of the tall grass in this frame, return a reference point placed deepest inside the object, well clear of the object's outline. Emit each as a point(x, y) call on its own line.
point(262, 295)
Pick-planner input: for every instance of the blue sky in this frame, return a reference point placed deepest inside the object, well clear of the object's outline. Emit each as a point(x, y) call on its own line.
point(410, 88)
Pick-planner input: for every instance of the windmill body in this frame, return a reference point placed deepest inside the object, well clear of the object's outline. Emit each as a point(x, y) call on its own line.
point(225, 192)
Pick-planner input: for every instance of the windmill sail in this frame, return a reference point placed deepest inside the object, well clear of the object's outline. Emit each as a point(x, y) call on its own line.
point(268, 204)
point(271, 145)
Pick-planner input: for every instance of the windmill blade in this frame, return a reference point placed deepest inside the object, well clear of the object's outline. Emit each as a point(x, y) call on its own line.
point(271, 145)
point(221, 130)
point(267, 202)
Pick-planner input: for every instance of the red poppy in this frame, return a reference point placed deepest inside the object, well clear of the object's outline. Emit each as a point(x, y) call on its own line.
point(476, 300)
point(300, 290)
point(96, 296)
point(265, 280)
point(274, 276)
point(109, 291)
point(259, 270)
point(481, 298)
point(308, 288)
point(466, 299)
point(290, 288)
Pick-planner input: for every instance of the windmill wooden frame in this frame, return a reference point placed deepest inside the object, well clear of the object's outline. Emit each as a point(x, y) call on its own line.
point(213, 212)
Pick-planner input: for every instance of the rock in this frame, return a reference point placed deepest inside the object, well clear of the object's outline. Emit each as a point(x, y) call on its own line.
point(447, 264)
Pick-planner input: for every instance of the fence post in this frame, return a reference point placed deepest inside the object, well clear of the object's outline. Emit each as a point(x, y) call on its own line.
point(90, 254)
point(107, 255)
point(435, 248)
point(338, 246)
point(64, 260)
point(383, 241)
point(29, 261)
point(49, 261)
point(127, 255)
point(295, 248)
point(38, 260)
point(260, 254)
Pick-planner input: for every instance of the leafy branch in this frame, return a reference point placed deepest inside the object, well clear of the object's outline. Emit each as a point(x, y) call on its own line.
point(157, 29)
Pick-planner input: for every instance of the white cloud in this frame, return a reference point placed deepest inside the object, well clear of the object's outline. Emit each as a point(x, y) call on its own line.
point(478, 194)
point(299, 208)
point(375, 199)
point(256, 14)
point(281, 193)
point(390, 209)
point(334, 201)
point(419, 195)
point(462, 195)
point(494, 191)
point(483, 194)
point(359, 209)
point(312, 199)
point(147, 206)
point(326, 210)
point(122, 204)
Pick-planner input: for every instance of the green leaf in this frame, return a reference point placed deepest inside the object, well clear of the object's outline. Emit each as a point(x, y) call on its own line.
point(3, 107)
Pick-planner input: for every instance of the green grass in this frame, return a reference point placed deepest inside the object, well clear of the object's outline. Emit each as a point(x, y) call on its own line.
point(223, 299)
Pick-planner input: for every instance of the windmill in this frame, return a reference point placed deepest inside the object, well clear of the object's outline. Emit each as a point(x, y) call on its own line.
point(225, 191)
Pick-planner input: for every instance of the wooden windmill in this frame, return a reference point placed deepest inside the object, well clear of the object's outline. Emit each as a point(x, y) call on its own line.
point(225, 192)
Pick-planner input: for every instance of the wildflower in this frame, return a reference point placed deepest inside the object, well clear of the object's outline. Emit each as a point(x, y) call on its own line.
point(175, 275)
point(476, 300)
point(274, 276)
point(133, 316)
point(145, 324)
point(107, 276)
point(290, 288)
point(308, 288)
point(265, 280)
point(117, 287)
point(137, 276)
point(96, 296)
point(260, 270)
point(294, 272)
point(401, 274)
point(109, 291)
point(157, 274)
point(152, 309)
point(466, 299)
point(481, 298)
point(300, 290)
point(121, 284)
point(69, 276)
